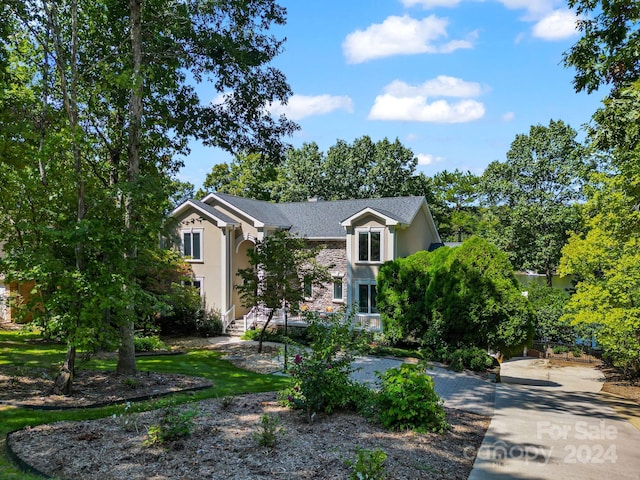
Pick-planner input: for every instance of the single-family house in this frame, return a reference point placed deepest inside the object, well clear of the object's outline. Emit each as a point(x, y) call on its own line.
point(356, 237)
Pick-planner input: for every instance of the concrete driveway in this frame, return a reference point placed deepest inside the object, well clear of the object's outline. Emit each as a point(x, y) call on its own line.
point(552, 423)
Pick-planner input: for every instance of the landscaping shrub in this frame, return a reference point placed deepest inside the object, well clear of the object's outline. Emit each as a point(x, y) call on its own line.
point(463, 295)
point(560, 349)
point(408, 400)
point(321, 380)
point(148, 344)
point(298, 335)
point(208, 324)
point(174, 424)
point(472, 358)
point(267, 435)
point(369, 465)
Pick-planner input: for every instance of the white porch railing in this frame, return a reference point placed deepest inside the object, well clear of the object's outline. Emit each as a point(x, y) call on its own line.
point(228, 318)
point(369, 322)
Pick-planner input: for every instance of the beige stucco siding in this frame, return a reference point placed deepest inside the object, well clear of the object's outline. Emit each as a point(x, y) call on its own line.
point(210, 267)
point(418, 236)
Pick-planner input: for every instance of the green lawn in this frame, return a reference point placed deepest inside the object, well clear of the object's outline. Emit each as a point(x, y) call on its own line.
point(27, 350)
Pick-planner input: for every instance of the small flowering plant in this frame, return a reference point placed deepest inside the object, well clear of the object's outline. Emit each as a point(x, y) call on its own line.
point(321, 380)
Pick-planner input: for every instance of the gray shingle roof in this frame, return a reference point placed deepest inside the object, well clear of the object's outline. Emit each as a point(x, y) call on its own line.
point(322, 219)
point(216, 213)
point(265, 212)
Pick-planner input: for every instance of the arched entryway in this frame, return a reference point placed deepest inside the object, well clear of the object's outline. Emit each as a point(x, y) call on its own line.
point(240, 261)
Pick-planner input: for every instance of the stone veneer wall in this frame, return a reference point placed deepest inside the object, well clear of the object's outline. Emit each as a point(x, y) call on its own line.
point(335, 255)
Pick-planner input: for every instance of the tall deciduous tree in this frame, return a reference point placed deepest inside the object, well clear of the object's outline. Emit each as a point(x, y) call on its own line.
point(606, 257)
point(280, 266)
point(117, 107)
point(533, 196)
point(607, 52)
point(362, 169)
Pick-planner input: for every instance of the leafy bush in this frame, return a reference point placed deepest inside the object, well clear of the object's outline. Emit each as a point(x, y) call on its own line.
point(408, 400)
point(560, 349)
point(174, 424)
point(464, 295)
point(208, 324)
point(576, 351)
point(369, 465)
point(297, 335)
point(148, 344)
point(472, 358)
point(321, 380)
point(548, 306)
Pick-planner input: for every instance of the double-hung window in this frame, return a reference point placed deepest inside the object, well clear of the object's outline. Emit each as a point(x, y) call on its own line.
point(370, 245)
point(367, 298)
point(192, 244)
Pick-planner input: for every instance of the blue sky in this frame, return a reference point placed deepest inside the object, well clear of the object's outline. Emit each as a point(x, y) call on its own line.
point(454, 80)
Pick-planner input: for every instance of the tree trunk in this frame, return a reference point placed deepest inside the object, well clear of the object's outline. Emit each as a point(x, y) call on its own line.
point(62, 384)
point(264, 328)
point(549, 276)
point(70, 100)
point(126, 353)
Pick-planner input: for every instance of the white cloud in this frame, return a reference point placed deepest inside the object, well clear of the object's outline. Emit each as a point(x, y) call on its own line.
point(535, 9)
point(413, 137)
point(508, 116)
point(402, 36)
point(441, 86)
point(301, 106)
point(418, 109)
point(552, 20)
point(557, 25)
point(404, 102)
point(428, 159)
point(427, 4)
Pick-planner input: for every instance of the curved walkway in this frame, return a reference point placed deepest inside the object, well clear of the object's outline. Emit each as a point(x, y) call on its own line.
point(463, 391)
point(552, 423)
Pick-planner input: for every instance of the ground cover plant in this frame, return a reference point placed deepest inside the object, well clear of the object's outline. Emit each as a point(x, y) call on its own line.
point(30, 352)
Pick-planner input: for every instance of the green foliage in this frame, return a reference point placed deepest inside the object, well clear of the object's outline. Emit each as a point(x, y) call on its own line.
point(560, 349)
point(461, 296)
point(321, 380)
point(175, 423)
point(408, 400)
point(472, 358)
point(149, 344)
point(548, 306)
point(532, 197)
point(362, 169)
point(607, 52)
point(369, 465)
point(455, 204)
point(267, 436)
point(280, 266)
point(297, 335)
point(605, 257)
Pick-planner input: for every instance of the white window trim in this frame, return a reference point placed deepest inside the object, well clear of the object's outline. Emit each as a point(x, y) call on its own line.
point(369, 230)
point(369, 283)
point(194, 230)
point(197, 279)
point(336, 279)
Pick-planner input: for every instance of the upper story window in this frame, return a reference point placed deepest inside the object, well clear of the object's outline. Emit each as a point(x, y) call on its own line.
point(370, 245)
point(192, 243)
